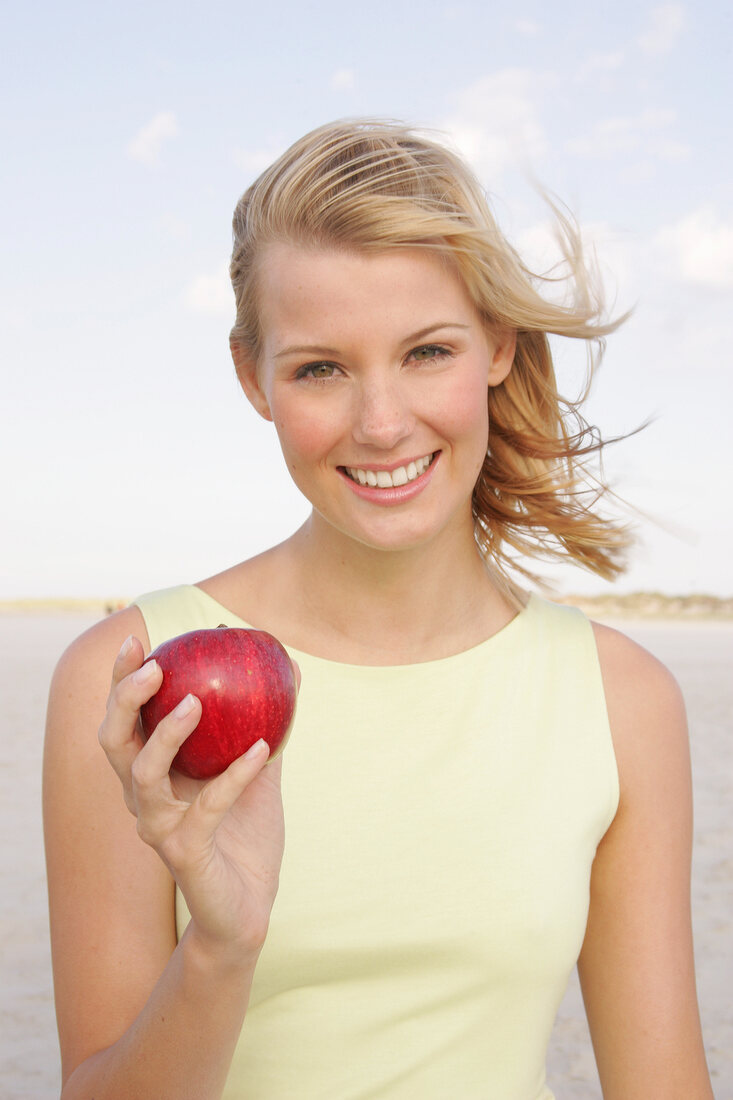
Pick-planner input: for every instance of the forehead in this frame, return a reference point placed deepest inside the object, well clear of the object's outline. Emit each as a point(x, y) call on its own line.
point(302, 289)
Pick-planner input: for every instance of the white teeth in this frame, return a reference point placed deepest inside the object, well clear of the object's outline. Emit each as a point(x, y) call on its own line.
point(383, 479)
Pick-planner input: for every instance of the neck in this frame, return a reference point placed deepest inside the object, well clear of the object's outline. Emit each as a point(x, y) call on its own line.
point(402, 606)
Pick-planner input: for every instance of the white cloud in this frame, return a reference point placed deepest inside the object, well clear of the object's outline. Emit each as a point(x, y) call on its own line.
point(612, 137)
point(211, 294)
point(147, 143)
point(695, 250)
point(664, 27)
point(495, 122)
point(699, 247)
point(343, 79)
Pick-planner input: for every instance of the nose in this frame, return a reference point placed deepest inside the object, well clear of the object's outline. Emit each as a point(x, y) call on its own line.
point(382, 414)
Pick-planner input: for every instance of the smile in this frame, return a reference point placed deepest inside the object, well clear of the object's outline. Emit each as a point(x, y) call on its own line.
point(389, 479)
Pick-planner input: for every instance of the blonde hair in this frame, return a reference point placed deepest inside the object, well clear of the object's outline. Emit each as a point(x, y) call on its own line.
point(371, 186)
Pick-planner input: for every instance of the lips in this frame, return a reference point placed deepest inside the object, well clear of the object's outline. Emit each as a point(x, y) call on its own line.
point(389, 479)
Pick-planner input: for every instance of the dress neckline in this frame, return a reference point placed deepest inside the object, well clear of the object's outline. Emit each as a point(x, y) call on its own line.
point(504, 636)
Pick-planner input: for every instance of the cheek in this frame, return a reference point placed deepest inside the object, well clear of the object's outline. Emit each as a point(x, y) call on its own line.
point(305, 435)
point(465, 411)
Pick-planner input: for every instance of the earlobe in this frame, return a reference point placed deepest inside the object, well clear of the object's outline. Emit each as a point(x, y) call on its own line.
point(246, 369)
point(504, 346)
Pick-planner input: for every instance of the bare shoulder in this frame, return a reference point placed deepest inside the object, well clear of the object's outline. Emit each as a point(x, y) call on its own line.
point(645, 705)
point(628, 668)
point(259, 590)
point(95, 644)
point(248, 574)
point(80, 685)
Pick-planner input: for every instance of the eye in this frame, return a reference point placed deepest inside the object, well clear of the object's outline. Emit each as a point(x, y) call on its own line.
point(429, 352)
point(318, 372)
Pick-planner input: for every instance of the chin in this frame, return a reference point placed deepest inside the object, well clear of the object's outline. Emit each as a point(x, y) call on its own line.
point(393, 536)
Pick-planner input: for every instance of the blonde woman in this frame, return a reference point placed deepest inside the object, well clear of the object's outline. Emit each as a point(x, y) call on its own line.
point(481, 788)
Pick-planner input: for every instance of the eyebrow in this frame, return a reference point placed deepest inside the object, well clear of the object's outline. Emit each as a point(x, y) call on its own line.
point(319, 349)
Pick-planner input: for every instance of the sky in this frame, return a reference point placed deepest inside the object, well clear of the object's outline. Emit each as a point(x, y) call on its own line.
point(130, 459)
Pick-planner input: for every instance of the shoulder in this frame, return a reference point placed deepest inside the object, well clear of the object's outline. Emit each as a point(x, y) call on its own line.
point(635, 681)
point(91, 651)
point(80, 685)
point(245, 581)
point(646, 713)
point(263, 591)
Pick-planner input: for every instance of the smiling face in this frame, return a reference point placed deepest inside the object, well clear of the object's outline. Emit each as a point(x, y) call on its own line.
point(374, 369)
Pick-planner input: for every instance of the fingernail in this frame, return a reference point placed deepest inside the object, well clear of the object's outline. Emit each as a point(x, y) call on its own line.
point(256, 749)
point(146, 673)
point(126, 646)
point(185, 707)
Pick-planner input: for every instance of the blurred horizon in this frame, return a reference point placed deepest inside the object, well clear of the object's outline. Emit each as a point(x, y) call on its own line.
point(693, 607)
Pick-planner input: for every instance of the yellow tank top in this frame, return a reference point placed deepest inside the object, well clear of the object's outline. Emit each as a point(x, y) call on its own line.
point(441, 822)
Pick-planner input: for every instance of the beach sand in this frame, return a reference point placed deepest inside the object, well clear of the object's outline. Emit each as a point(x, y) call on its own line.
point(701, 656)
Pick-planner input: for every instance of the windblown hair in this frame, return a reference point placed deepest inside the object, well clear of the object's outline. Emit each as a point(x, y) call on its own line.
point(371, 186)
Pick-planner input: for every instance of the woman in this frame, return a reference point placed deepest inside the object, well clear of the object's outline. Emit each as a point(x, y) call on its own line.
point(480, 787)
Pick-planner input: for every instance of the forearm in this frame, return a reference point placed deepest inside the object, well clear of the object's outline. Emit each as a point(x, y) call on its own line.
point(181, 1044)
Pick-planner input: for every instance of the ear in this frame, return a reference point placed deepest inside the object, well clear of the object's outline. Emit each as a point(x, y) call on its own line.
point(246, 368)
point(502, 347)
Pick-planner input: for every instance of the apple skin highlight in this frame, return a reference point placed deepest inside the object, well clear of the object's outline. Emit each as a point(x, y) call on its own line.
point(247, 687)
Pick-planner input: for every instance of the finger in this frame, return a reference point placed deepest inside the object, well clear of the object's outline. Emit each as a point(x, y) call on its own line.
point(126, 698)
point(118, 733)
point(151, 767)
point(129, 658)
point(216, 799)
point(157, 806)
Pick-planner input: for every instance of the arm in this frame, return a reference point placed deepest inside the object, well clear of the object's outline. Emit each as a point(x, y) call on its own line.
point(636, 967)
point(138, 1014)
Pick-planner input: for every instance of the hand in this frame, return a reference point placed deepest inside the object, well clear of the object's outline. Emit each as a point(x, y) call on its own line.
point(222, 840)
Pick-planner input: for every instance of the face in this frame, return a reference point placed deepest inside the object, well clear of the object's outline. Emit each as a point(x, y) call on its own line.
point(374, 369)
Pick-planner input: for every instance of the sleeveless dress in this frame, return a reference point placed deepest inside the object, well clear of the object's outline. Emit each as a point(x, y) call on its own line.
point(441, 822)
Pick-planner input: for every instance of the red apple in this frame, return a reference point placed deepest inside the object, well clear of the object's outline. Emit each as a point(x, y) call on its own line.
point(247, 687)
